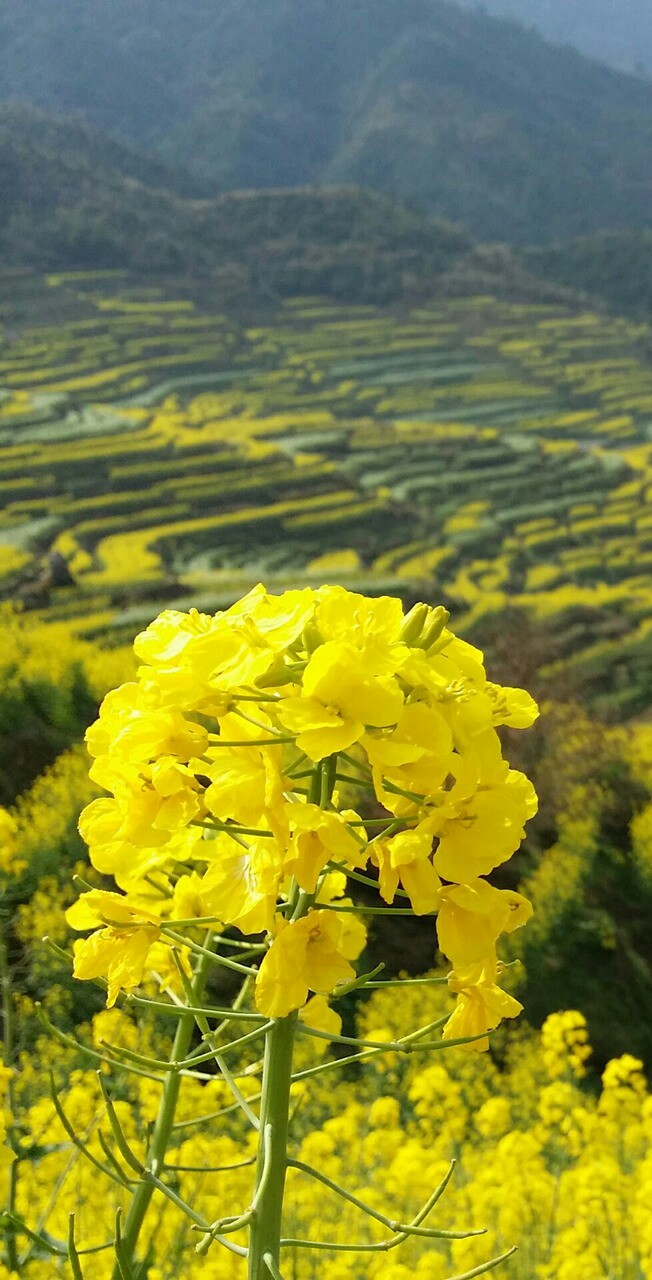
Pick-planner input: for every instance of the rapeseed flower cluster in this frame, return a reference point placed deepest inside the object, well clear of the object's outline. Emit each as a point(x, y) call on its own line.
point(226, 761)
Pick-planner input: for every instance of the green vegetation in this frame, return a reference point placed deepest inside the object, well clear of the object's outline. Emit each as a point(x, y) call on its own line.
point(71, 198)
point(165, 453)
point(475, 118)
point(613, 266)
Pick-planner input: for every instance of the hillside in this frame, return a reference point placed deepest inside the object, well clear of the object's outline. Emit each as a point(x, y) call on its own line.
point(71, 198)
point(169, 451)
point(615, 267)
point(71, 195)
point(616, 31)
point(476, 119)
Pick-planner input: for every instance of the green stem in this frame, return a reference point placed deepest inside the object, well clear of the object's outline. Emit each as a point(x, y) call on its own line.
point(8, 1058)
point(272, 1161)
point(265, 1233)
point(164, 1121)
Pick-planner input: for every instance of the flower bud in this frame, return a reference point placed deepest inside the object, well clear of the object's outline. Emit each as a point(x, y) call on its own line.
point(278, 674)
point(413, 623)
point(312, 637)
point(431, 633)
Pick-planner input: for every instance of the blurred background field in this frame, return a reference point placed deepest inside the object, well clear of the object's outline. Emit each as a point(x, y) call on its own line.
point(160, 453)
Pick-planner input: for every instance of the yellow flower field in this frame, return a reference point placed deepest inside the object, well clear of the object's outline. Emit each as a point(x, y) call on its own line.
point(169, 459)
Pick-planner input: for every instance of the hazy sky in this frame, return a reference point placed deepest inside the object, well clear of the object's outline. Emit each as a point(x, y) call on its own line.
point(618, 31)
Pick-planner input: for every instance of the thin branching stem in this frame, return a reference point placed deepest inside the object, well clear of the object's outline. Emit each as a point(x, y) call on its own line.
point(198, 950)
point(233, 1015)
point(272, 1267)
point(73, 1255)
point(77, 1141)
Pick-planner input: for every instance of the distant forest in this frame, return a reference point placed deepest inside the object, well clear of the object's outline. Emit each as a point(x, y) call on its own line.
point(468, 116)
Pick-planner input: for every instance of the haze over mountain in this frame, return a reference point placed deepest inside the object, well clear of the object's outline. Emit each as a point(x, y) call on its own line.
point(617, 31)
point(471, 117)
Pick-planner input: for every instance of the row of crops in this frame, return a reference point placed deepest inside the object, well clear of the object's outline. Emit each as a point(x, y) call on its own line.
point(494, 455)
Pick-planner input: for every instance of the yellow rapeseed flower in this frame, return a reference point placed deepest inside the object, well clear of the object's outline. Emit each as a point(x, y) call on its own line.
point(310, 954)
point(119, 951)
point(204, 756)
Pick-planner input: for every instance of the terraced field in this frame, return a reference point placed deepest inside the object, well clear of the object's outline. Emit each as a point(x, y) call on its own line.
point(494, 455)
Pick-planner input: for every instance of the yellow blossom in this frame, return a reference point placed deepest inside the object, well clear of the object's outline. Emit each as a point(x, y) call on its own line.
point(316, 837)
point(481, 1004)
point(240, 886)
point(119, 951)
point(317, 1013)
point(8, 832)
point(472, 917)
point(405, 858)
point(310, 954)
point(341, 695)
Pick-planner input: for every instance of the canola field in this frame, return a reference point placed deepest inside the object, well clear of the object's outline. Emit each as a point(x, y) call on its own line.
point(552, 1147)
point(489, 454)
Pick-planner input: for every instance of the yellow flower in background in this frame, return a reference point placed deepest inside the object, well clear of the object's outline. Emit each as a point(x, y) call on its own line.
point(565, 1044)
point(310, 954)
point(623, 1086)
point(7, 1156)
point(8, 832)
point(331, 886)
point(161, 966)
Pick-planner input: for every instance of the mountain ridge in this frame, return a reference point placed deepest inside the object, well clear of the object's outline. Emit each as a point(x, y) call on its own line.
point(474, 118)
point(72, 199)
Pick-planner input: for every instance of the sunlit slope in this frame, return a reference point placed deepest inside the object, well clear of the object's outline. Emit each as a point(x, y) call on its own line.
point(488, 453)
